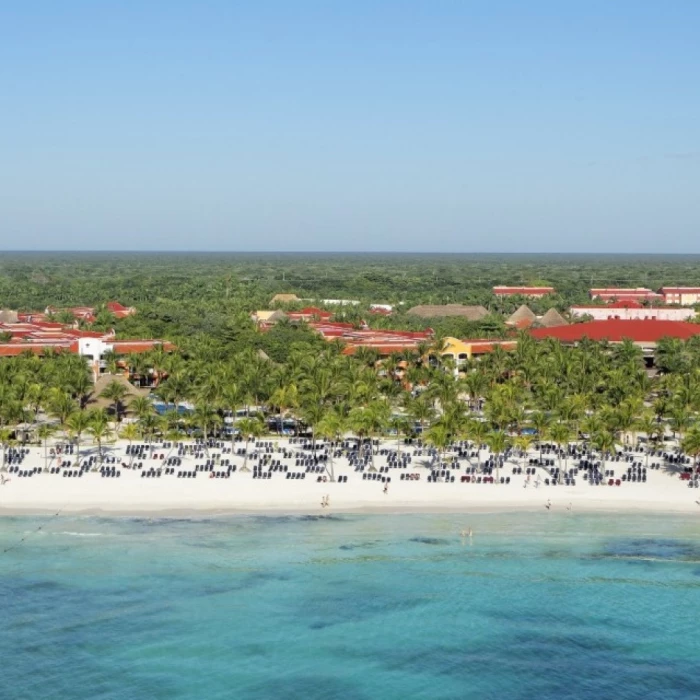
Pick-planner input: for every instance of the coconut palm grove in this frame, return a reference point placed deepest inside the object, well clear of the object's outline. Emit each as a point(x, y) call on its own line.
point(225, 377)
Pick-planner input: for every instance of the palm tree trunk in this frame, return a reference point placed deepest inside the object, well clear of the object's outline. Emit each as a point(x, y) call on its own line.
point(560, 468)
point(244, 468)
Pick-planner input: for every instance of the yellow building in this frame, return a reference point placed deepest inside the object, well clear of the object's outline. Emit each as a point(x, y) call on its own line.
point(458, 350)
point(462, 350)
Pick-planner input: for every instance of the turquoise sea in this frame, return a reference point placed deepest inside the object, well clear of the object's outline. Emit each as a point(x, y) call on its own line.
point(536, 605)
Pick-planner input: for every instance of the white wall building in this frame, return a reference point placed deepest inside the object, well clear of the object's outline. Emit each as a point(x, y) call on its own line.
point(603, 313)
point(685, 296)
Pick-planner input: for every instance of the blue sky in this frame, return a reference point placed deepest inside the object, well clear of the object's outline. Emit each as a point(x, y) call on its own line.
point(362, 126)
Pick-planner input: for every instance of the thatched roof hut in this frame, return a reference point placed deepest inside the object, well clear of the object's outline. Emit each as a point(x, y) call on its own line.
point(552, 319)
point(284, 299)
point(522, 318)
point(98, 401)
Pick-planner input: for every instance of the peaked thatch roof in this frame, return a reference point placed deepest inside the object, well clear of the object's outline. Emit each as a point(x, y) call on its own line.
point(524, 316)
point(284, 298)
point(552, 319)
point(269, 316)
point(97, 401)
point(473, 313)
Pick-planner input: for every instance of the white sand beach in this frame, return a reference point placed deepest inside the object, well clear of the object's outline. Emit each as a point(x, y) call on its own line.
point(133, 493)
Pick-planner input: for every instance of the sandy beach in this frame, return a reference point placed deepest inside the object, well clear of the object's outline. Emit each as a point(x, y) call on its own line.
point(132, 493)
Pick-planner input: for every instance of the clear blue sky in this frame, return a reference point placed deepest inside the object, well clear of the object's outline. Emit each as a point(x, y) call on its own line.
point(538, 125)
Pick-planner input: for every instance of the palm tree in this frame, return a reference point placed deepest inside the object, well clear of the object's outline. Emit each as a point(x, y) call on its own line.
point(691, 443)
point(77, 423)
point(284, 398)
point(476, 430)
point(604, 441)
point(679, 421)
point(402, 426)
point(540, 421)
point(439, 437)
point(420, 410)
point(44, 432)
point(330, 428)
point(231, 399)
point(523, 443)
point(61, 405)
point(130, 432)
point(115, 392)
point(141, 406)
point(150, 424)
point(560, 434)
point(99, 429)
point(5, 440)
point(207, 418)
point(369, 421)
point(497, 441)
point(646, 423)
point(251, 428)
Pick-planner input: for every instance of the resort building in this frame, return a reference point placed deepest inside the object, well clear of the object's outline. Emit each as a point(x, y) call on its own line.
point(532, 292)
point(643, 333)
point(381, 309)
point(86, 314)
point(631, 310)
point(120, 311)
point(462, 350)
point(683, 296)
point(40, 337)
point(611, 294)
point(309, 314)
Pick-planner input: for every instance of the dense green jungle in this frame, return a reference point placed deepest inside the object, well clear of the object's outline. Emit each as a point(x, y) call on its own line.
point(184, 296)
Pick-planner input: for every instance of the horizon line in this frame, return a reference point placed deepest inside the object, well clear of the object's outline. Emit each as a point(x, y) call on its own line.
point(337, 252)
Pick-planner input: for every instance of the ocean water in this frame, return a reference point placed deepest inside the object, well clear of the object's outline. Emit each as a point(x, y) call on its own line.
point(536, 605)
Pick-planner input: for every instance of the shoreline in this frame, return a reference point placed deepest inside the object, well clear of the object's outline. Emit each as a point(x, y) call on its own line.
point(165, 511)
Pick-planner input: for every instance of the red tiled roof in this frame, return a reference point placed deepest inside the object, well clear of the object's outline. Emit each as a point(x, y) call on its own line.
point(680, 290)
point(479, 347)
point(616, 330)
point(15, 349)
